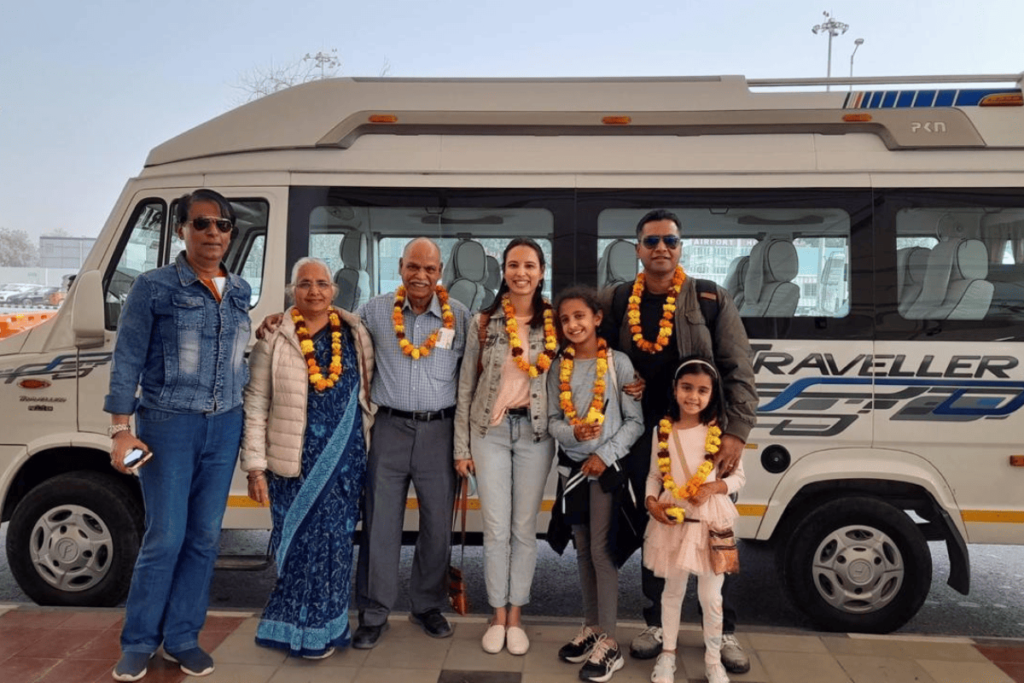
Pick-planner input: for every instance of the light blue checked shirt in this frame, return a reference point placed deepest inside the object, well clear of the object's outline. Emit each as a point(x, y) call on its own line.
point(399, 382)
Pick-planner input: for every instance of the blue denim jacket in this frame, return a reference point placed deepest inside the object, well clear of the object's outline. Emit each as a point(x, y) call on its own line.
point(184, 348)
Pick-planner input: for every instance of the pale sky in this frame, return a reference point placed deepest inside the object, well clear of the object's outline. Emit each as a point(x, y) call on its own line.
point(88, 88)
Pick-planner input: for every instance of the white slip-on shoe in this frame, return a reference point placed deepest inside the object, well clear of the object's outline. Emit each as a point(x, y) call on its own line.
point(494, 639)
point(516, 641)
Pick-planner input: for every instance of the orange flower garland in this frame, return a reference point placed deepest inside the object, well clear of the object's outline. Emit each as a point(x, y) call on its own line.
point(594, 415)
point(711, 445)
point(550, 340)
point(669, 309)
point(447, 321)
point(316, 377)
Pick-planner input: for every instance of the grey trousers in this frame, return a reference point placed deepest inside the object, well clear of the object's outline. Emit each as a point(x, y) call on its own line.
point(599, 579)
point(403, 451)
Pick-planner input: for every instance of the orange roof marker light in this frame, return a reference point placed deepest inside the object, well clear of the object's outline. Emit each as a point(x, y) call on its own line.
point(1006, 99)
point(617, 120)
point(857, 118)
point(383, 118)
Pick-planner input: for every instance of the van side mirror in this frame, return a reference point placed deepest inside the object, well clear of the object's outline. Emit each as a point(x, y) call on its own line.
point(87, 319)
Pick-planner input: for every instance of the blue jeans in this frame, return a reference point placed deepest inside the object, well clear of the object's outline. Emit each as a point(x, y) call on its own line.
point(511, 471)
point(185, 487)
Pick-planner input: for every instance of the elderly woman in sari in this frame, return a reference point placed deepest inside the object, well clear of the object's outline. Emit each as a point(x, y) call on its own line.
point(307, 428)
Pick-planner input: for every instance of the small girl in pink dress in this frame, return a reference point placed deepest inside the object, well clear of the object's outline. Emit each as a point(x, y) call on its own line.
point(686, 499)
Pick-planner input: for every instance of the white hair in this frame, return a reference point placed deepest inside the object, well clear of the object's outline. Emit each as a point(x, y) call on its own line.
point(305, 261)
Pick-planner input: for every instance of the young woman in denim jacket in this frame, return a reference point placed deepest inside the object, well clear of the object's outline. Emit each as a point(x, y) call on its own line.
point(181, 338)
point(501, 433)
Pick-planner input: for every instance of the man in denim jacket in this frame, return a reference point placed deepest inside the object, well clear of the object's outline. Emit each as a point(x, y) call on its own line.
point(659, 248)
point(182, 337)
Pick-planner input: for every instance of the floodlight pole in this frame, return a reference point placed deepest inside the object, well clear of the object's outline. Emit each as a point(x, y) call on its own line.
point(833, 28)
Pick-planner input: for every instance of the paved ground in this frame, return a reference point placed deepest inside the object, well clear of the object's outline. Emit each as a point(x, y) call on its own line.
point(55, 645)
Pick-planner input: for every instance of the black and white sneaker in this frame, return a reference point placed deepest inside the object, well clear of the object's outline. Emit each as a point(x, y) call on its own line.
point(605, 659)
point(578, 649)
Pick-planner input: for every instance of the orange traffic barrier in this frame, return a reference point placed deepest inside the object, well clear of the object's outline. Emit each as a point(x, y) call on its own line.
point(13, 323)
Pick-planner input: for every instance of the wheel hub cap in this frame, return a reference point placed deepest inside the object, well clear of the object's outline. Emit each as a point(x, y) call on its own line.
point(71, 548)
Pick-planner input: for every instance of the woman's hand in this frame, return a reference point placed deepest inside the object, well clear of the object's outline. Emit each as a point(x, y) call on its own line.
point(465, 467)
point(586, 432)
point(657, 510)
point(258, 490)
point(121, 444)
point(635, 389)
point(593, 466)
point(269, 325)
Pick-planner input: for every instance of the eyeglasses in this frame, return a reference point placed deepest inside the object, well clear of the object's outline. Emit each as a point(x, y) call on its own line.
point(651, 241)
point(306, 285)
point(204, 222)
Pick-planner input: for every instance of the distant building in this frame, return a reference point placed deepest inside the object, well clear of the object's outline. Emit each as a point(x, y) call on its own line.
point(64, 252)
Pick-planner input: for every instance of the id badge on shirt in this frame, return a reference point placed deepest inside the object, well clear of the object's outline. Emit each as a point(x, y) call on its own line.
point(445, 338)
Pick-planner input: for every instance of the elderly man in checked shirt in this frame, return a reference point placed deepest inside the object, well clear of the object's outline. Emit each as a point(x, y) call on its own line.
point(418, 338)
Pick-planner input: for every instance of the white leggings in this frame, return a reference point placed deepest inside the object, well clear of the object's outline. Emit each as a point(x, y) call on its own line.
point(709, 592)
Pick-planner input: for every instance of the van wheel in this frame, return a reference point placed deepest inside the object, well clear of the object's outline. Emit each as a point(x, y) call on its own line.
point(858, 564)
point(73, 540)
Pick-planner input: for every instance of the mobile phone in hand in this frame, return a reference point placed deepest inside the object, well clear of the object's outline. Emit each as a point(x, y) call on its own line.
point(136, 458)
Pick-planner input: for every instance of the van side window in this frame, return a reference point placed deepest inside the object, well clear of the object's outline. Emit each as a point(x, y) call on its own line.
point(960, 263)
point(140, 251)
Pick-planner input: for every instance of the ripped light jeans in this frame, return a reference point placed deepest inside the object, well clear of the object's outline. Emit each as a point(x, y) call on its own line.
point(511, 471)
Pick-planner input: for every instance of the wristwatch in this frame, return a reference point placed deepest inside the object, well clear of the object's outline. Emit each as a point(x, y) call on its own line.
point(113, 430)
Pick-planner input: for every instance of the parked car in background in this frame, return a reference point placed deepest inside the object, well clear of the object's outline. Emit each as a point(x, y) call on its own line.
point(33, 297)
point(12, 291)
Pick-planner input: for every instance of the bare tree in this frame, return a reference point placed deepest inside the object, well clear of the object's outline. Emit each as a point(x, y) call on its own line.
point(262, 81)
point(16, 249)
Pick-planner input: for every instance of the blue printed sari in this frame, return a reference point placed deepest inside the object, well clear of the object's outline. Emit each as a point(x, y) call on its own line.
point(315, 516)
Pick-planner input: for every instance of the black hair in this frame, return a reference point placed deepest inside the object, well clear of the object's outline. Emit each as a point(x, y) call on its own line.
point(539, 305)
point(695, 365)
point(588, 295)
point(657, 215)
point(186, 201)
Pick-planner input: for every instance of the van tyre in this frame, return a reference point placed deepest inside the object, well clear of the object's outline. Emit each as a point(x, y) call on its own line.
point(73, 540)
point(858, 564)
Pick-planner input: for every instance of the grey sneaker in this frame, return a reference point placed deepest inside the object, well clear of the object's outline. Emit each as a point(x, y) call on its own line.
point(734, 658)
point(132, 666)
point(647, 645)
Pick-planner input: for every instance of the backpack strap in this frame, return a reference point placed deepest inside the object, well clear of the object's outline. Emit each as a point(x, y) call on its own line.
point(707, 297)
point(620, 300)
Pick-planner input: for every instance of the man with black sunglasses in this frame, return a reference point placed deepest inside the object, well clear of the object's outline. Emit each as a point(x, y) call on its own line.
point(657, 320)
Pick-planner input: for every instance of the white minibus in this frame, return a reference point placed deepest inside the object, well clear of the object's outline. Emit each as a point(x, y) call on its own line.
point(873, 240)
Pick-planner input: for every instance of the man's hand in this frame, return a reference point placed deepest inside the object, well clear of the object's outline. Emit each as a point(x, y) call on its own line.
point(635, 389)
point(269, 325)
point(728, 457)
point(586, 432)
point(122, 443)
point(593, 466)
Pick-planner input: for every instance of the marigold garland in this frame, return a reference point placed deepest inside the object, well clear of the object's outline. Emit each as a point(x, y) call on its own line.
point(447, 321)
point(668, 312)
point(711, 446)
point(550, 340)
point(595, 414)
point(316, 377)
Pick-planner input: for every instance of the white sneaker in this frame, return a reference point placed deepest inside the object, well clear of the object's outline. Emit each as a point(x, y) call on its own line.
point(494, 639)
point(664, 668)
point(716, 674)
point(647, 644)
point(516, 641)
point(734, 658)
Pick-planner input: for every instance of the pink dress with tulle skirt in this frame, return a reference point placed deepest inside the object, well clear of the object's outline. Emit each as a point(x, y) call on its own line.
point(683, 547)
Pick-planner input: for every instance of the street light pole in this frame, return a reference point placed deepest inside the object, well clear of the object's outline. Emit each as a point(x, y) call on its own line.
point(857, 43)
point(833, 28)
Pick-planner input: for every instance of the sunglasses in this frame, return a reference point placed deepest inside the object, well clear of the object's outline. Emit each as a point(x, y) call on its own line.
point(204, 222)
point(651, 241)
